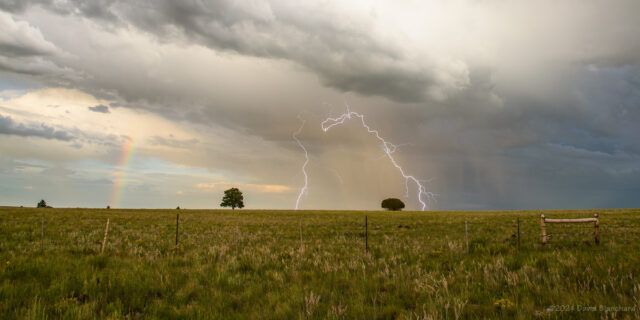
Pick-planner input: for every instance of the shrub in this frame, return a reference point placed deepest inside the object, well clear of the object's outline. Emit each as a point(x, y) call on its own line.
point(392, 204)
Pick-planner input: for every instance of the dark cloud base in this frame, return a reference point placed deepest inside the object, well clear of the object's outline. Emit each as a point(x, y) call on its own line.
point(528, 131)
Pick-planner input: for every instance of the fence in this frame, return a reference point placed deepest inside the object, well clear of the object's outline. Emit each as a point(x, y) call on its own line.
point(544, 220)
point(471, 234)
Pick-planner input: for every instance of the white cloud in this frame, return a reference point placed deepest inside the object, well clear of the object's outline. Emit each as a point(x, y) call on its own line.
point(24, 50)
point(19, 38)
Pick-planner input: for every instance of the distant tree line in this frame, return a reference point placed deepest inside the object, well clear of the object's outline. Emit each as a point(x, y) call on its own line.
point(233, 198)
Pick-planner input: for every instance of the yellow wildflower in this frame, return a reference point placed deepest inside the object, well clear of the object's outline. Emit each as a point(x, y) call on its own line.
point(503, 304)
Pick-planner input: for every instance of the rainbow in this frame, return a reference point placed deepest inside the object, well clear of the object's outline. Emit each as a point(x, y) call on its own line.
point(120, 181)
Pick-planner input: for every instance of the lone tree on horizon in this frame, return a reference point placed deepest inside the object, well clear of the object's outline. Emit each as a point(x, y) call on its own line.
point(233, 198)
point(392, 204)
point(42, 204)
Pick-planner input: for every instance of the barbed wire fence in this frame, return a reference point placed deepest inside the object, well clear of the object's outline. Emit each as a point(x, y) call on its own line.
point(559, 235)
point(516, 232)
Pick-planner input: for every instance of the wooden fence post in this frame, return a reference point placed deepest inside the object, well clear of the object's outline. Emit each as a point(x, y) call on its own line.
point(466, 237)
point(301, 243)
point(42, 236)
point(104, 240)
point(177, 226)
point(366, 235)
point(543, 230)
point(597, 227)
point(518, 233)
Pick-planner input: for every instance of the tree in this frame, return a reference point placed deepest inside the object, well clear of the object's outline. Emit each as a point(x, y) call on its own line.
point(392, 204)
point(232, 198)
point(42, 204)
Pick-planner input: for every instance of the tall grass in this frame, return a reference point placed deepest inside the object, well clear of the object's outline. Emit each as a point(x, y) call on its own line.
point(249, 264)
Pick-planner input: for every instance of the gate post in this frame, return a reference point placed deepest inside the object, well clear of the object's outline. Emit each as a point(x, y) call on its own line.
point(543, 230)
point(597, 227)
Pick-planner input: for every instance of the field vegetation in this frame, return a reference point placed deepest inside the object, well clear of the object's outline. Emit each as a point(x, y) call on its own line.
point(246, 264)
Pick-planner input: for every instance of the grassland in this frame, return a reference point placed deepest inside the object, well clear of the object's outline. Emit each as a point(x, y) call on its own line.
point(254, 265)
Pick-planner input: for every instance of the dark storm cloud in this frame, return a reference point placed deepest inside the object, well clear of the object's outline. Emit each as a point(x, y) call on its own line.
point(100, 108)
point(14, 5)
point(17, 50)
point(24, 50)
point(345, 55)
point(548, 119)
point(342, 53)
point(95, 8)
point(598, 111)
point(348, 56)
point(19, 39)
point(10, 127)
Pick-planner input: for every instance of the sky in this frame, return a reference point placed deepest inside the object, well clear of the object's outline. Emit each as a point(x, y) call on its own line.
point(493, 105)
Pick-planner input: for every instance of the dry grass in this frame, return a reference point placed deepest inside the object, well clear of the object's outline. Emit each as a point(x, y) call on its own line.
point(251, 264)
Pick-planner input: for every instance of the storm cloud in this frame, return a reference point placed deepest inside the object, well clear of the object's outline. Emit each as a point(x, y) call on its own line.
point(24, 50)
point(349, 55)
point(10, 127)
point(100, 108)
point(504, 105)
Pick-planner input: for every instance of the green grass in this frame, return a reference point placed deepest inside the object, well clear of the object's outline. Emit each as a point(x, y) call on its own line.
point(250, 265)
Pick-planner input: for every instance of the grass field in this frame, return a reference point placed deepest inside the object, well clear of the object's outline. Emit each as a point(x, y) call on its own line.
point(254, 265)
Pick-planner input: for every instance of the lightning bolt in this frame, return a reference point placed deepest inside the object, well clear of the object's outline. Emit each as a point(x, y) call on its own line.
point(388, 148)
point(304, 189)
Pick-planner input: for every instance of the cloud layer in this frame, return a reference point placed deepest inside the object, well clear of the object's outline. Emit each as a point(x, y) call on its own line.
point(10, 127)
point(504, 105)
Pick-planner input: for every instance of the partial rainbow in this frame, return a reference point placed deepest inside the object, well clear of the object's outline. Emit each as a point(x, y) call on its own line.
point(120, 180)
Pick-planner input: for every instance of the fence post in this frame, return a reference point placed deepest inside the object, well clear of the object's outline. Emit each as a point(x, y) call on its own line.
point(301, 243)
point(518, 233)
point(177, 226)
point(104, 240)
point(543, 230)
point(42, 236)
point(597, 227)
point(466, 237)
point(366, 235)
